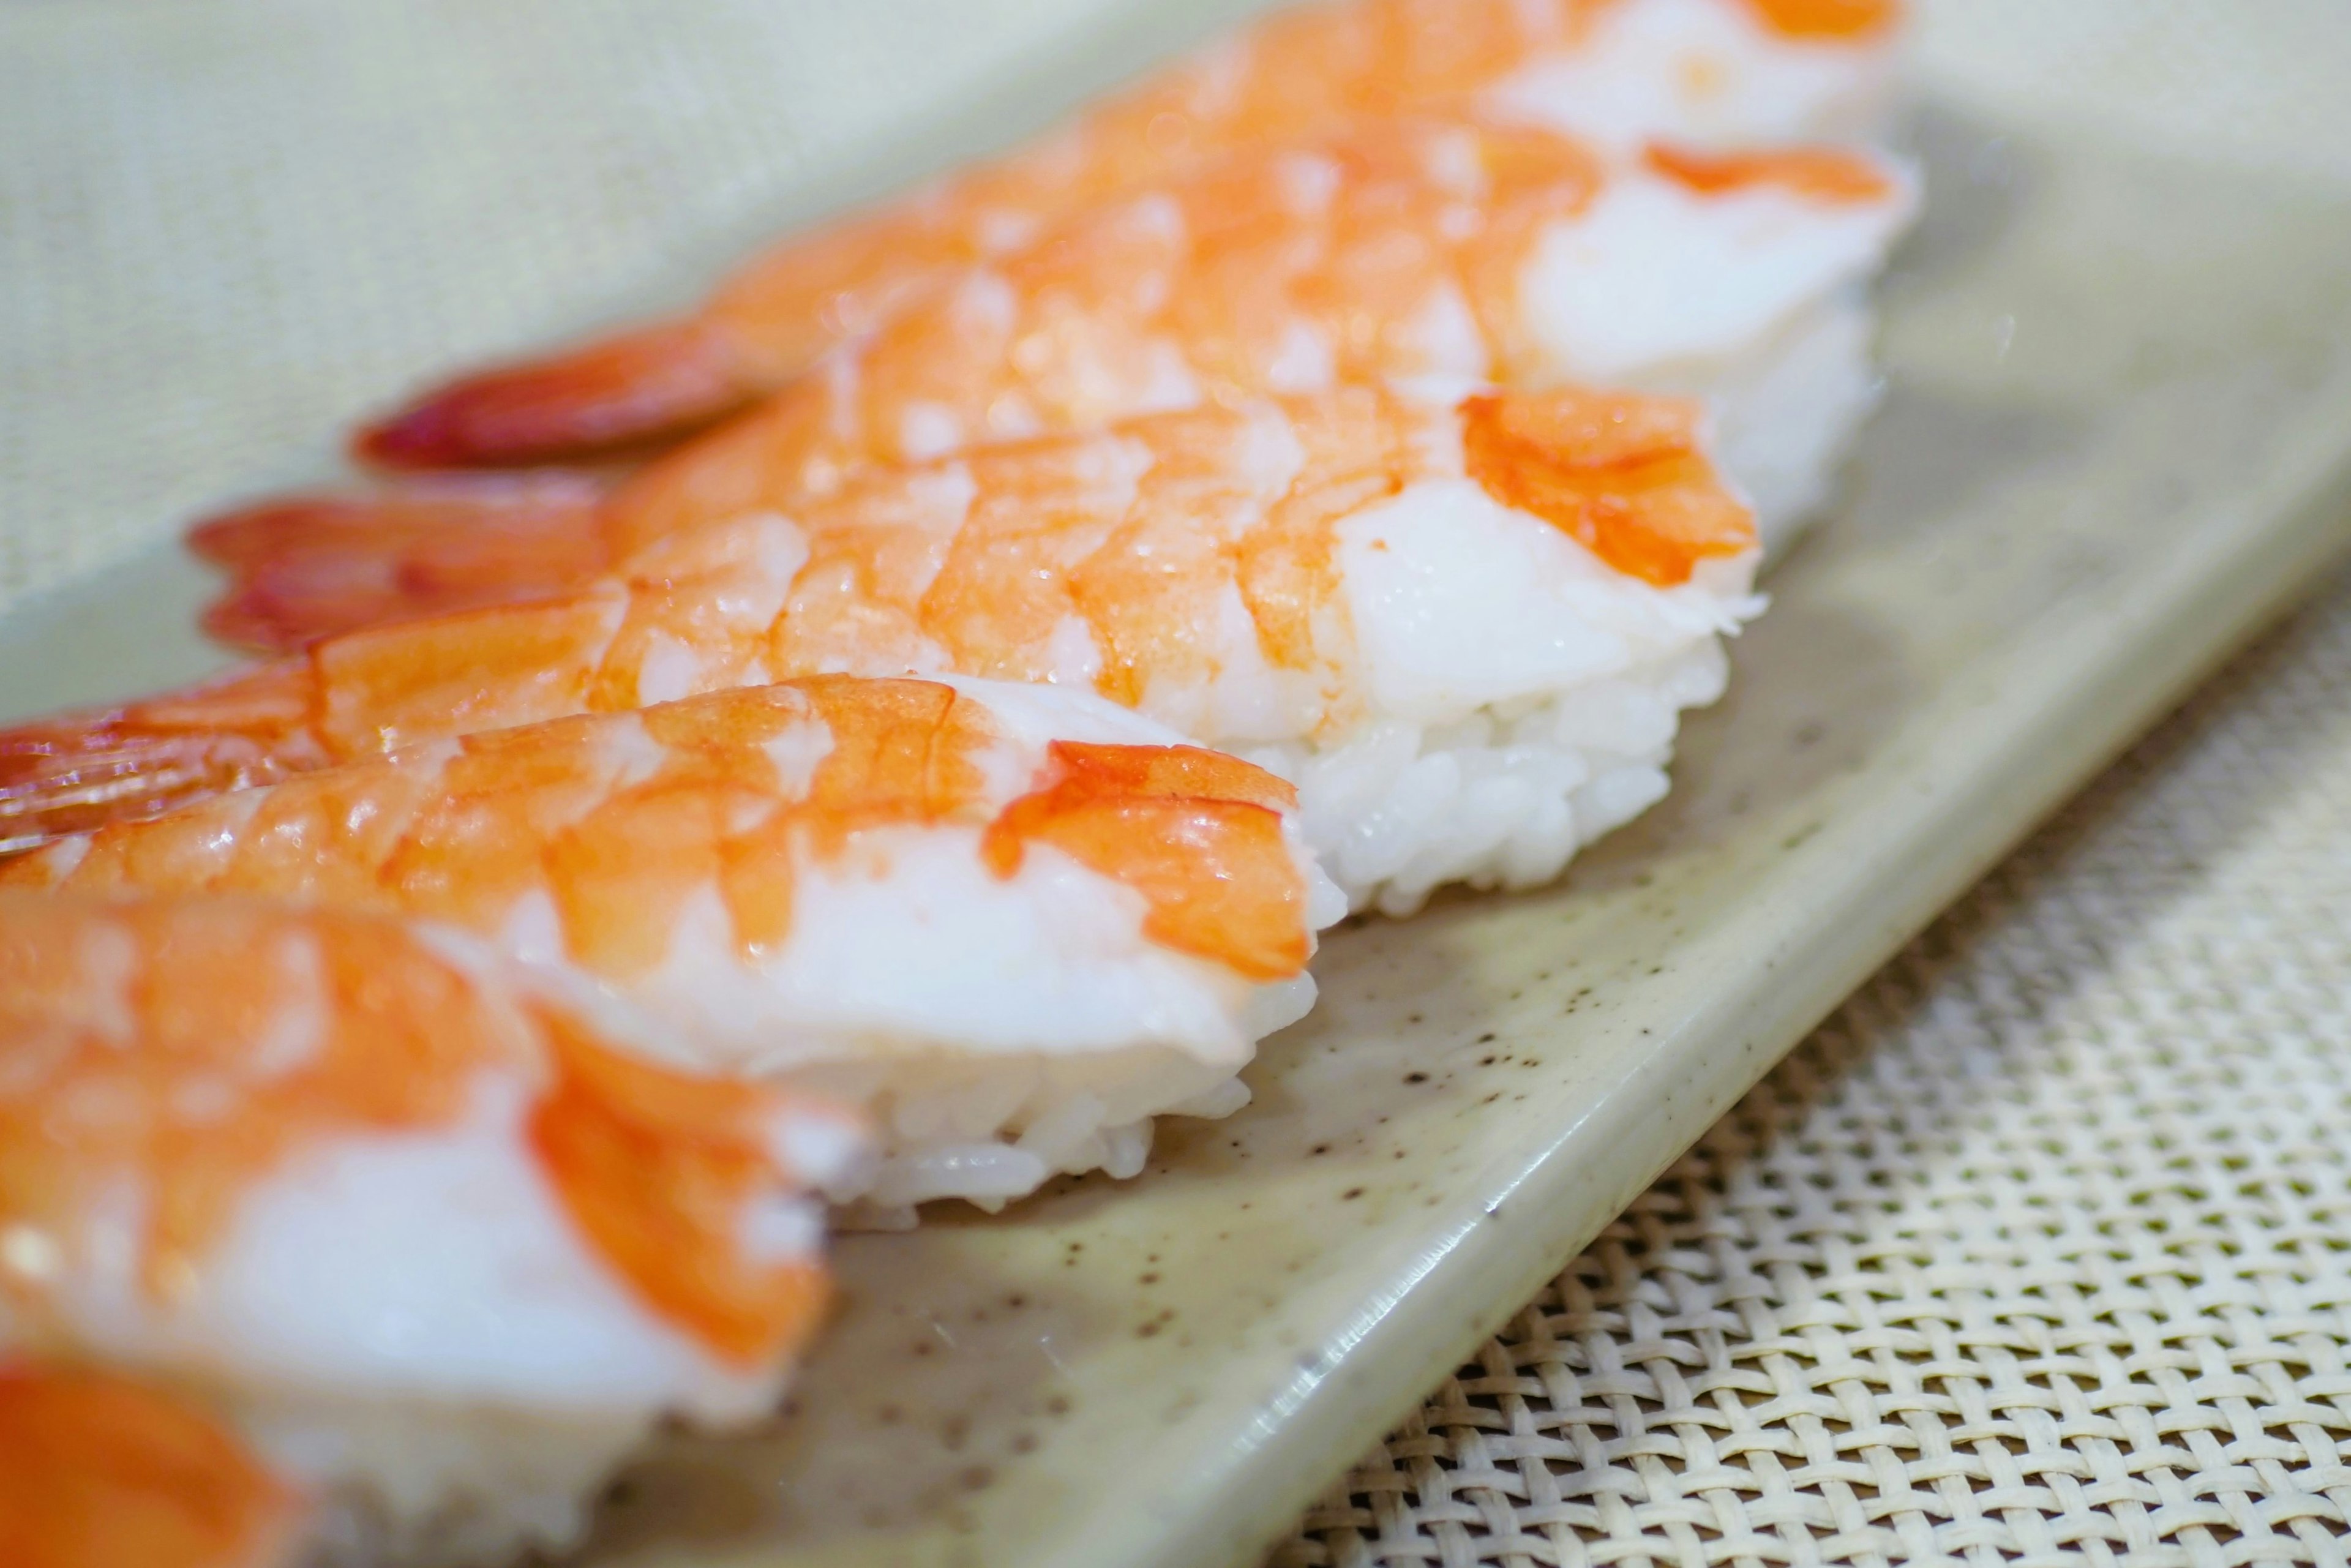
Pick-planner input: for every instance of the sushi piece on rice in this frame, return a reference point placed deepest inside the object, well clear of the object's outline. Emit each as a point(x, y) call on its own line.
point(1012, 923)
point(1465, 632)
point(1433, 254)
point(1708, 73)
point(416, 1234)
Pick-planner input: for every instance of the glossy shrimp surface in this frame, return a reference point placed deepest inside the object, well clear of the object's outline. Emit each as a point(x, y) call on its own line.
point(186, 1053)
point(1397, 252)
point(1291, 75)
point(1146, 561)
point(99, 1471)
point(618, 824)
point(1390, 251)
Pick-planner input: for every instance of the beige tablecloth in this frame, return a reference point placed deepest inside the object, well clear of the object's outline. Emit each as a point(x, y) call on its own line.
point(2041, 1247)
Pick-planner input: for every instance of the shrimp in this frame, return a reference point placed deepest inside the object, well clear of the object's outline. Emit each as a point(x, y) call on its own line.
point(98, 1471)
point(1709, 69)
point(347, 1180)
point(1092, 908)
point(305, 565)
point(1428, 253)
point(1300, 575)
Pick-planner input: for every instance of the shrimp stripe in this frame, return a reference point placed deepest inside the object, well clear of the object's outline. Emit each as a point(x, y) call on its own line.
point(619, 823)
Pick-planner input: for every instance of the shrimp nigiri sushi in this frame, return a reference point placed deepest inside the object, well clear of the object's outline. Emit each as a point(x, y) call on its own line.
point(1712, 73)
point(1011, 924)
point(1433, 254)
point(1464, 633)
point(431, 1248)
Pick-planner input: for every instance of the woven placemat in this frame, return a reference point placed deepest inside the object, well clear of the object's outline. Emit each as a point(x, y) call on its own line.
point(2041, 1250)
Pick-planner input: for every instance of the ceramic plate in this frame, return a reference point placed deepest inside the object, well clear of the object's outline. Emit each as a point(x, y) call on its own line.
point(2115, 440)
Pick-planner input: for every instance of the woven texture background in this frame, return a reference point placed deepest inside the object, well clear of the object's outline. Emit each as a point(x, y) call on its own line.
point(227, 227)
point(2041, 1250)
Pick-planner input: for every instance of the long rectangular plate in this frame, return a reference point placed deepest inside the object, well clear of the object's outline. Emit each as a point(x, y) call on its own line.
point(2118, 437)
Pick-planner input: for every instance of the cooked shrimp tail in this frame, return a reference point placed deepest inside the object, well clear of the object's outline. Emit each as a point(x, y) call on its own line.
point(65, 774)
point(306, 566)
point(657, 379)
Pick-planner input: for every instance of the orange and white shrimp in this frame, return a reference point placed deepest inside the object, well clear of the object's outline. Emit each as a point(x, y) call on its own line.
point(424, 1238)
point(1013, 923)
point(306, 565)
point(1465, 632)
point(1705, 71)
point(1434, 254)
point(100, 1471)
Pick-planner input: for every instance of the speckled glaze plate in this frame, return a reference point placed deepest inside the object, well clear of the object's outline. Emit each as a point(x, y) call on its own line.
point(2118, 438)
